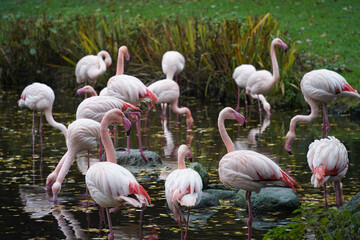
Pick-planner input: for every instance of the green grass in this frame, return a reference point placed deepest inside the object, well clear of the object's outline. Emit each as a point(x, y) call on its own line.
point(326, 32)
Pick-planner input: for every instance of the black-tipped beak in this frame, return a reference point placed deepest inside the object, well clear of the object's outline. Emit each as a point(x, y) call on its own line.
point(190, 159)
point(128, 132)
point(244, 124)
point(285, 49)
point(290, 153)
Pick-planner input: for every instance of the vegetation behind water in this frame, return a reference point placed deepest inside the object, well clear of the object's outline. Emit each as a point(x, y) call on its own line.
point(40, 39)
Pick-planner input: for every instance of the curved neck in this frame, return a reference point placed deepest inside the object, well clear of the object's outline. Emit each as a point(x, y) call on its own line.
point(106, 55)
point(305, 118)
point(224, 135)
point(123, 51)
point(274, 63)
point(53, 123)
point(106, 140)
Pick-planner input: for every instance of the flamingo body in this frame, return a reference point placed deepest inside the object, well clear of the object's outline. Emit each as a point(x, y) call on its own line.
point(319, 85)
point(91, 67)
point(110, 184)
point(172, 64)
point(328, 160)
point(183, 188)
point(40, 97)
point(83, 135)
point(168, 91)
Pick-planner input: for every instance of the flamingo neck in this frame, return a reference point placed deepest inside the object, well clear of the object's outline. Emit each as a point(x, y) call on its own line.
point(182, 110)
point(120, 63)
point(274, 63)
point(181, 161)
point(106, 55)
point(106, 140)
point(224, 135)
point(305, 118)
point(50, 119)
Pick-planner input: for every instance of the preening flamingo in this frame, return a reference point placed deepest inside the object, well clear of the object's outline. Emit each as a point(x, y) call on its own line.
point(168, 91)
point(109, 184)
point(129, 89)
point(87, 89)
point(91, 67)
point(248, 170)
point(319, 85)
point(328, 160)
point(172, 64)
point(40, 97)
point(261, 82)
point(83, 135)
point(183, 188)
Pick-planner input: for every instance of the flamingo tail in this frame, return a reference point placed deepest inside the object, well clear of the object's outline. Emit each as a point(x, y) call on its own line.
point(135, 188)
point(289, 180)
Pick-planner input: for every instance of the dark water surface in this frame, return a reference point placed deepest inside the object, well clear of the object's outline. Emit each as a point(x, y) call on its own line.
point(26, 212)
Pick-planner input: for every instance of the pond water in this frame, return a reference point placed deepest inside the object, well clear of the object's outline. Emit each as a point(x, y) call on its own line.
point(26, 212)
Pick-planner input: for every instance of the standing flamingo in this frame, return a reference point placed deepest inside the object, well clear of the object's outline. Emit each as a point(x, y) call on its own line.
point(40, 97)
point(319, 85)
point(109, 184)
point(167, 91)
point(129, 89)
point(247, 169)
point(172, 64)
point(83, 135)
point(183, 188)
point(241, 75)
point(261, 82)
point(91, 67)
point(96, 107)
point(328, 160)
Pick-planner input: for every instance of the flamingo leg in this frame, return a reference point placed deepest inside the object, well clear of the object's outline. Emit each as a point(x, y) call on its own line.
point(248, 195)
point(339, 196)
point(187, 224)
point(111, 235)
point(238, 99)
point(326, 124)
point(41, 136)
point(246, 104)
point(137, 116)
point(260, 111)
point(33, 132)
point(325, 198)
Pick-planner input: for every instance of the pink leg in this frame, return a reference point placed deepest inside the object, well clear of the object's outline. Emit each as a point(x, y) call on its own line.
point(260, 111)
point(246, 104)
point(187, 224)
point(137, 116)
point(111, 235)
point(326, 124)
point(248, 195)
point(181, 228)
point(238, 99)
point(33, 132)
point(338, 193)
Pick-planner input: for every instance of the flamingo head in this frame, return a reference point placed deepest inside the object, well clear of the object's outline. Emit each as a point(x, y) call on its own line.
point(279, 42)
point(189, 122)
point(240, 118)
point(86, 89)
point(56, 187)
point(125, 52)
point(290, 137)
point(127, 124)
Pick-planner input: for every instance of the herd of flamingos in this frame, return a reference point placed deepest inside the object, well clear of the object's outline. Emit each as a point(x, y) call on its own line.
point(111, 185)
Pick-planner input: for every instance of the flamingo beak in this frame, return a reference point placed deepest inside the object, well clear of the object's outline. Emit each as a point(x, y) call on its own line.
point(127, 124)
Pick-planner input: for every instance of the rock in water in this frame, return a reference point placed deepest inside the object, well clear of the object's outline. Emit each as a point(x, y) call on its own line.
point(202, 172)
point(270, 199)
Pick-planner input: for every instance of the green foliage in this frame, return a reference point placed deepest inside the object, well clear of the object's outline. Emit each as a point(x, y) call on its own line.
point(36, 48)
point(313, 222)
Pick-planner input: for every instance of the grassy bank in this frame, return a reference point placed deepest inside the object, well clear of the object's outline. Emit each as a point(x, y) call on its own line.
point(324, 33)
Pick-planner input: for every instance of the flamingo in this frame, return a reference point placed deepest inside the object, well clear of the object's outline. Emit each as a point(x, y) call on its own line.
point(328, 160)
point(172, 64)
point(261, 82)
point(246, 169)
point(129, 89)
point(168, 91)
point(91, 67)
point(83, 135)
point(87, 89)
point(183, 188)
point(241, 75)
point(319, 85)
point(40, 97)
point(96, 107)
point(109, 184)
